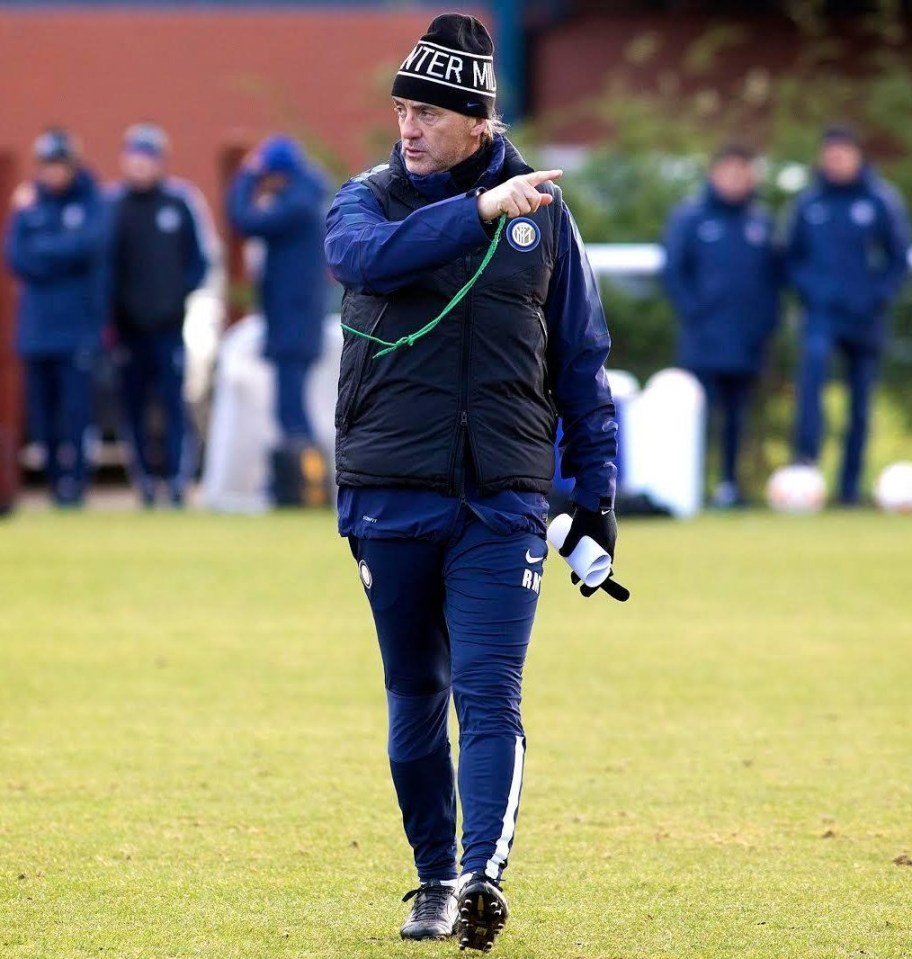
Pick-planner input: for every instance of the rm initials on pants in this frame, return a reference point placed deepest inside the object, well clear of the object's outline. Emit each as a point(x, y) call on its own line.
point(531, 580)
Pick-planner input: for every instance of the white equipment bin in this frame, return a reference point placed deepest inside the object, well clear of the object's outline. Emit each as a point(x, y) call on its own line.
point(242, 426)
point(665, 448)
point(243, 429)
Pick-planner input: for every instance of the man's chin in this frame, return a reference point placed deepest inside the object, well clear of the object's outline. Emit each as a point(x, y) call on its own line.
point(420, 165)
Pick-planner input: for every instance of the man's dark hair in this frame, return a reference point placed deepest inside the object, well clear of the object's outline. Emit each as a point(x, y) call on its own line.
point(734, 150)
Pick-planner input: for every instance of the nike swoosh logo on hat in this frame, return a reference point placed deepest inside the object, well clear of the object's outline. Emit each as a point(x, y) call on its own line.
point(532, 560)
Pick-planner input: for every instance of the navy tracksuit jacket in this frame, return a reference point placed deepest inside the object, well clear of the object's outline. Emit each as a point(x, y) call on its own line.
point(846, 257)
point(56, 248)
point(723, 276)
point(158, 259)
point(453, 581)
point(293, 287)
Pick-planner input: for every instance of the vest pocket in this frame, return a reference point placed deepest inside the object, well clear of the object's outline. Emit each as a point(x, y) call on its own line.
point(356, 354)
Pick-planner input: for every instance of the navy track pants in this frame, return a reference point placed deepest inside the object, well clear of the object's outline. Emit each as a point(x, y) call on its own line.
point(862, 364)
point(454, 618)
point(291, 408)
point(153, 368)
point(59, 406)
point(727, 400)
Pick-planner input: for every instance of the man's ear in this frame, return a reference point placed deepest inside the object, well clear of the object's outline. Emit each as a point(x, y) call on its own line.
point(478, 127)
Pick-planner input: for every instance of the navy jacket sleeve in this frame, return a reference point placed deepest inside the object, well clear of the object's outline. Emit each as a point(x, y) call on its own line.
point(299, 199)
point(24, 265)
point(796, 256)
point(197, 264)
point(578, 347)
point(371, 254)
point(677, 275)
point(37, 255)
point(896, 241)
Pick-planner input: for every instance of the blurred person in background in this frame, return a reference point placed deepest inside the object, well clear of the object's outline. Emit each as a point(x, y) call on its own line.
point(722, 275)
point(445, 450)
point(846, 257)
point(158, 259)
point(55, 246)
point(280, 198)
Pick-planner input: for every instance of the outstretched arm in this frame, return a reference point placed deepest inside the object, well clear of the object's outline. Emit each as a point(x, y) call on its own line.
point(371, 254)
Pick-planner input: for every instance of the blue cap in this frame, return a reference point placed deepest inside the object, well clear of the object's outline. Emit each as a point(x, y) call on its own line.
point(55, 146)
point(147, 138)
point(280, 154)
point(841, 133)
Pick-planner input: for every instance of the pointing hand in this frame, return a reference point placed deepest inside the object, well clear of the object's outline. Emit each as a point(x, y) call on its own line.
point(517, 197)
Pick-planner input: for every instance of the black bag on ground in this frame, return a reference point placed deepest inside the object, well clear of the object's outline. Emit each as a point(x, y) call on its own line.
point(300, 476)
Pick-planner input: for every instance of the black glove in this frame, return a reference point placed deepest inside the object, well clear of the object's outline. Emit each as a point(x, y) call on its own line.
point(601, 526)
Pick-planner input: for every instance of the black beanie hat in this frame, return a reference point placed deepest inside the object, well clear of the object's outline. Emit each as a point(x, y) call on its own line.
point(452, 66)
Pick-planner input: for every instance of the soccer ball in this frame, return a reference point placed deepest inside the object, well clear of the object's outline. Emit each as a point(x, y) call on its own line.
point(796, 489)
point(893, 489)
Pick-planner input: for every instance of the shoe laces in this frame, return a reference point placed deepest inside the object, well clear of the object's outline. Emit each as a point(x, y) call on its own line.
point(430, 900)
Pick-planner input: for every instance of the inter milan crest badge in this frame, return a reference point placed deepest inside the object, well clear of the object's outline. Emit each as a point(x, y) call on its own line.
point(523, 234)
point(168, 219)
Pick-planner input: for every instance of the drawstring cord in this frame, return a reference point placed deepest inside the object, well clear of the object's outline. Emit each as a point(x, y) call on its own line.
point(412, 338)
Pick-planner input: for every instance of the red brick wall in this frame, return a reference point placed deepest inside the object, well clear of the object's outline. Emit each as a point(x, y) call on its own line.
point(571, 63)
point(206, 76)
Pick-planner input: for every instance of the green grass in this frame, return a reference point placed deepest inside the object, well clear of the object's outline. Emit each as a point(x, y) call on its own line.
point(192, 746)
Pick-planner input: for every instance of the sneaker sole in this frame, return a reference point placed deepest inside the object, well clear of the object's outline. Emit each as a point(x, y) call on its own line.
point(437, 937)
point(482, 917)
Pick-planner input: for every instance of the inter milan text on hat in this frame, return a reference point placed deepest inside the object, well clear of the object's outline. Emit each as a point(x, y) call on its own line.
point(451, 66)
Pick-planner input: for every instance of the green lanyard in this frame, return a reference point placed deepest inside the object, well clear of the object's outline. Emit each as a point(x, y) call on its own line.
point(413, 338)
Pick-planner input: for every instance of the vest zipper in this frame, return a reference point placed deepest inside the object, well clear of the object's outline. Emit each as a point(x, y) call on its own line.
point(463, 447)
point(457, 468)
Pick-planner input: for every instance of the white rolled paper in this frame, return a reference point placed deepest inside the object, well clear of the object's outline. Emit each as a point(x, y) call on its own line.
point(589, 561)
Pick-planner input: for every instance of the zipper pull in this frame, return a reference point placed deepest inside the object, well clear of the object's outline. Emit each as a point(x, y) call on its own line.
point(464, 418)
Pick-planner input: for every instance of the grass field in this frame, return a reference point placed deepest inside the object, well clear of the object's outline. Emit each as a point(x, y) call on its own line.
point(192, 744)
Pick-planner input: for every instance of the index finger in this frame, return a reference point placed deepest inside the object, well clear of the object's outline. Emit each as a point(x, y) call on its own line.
point(542, 176)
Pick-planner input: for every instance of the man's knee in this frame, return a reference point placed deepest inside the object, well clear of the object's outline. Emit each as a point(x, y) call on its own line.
point(488, 701)
point(815, 354)
point(417, 724)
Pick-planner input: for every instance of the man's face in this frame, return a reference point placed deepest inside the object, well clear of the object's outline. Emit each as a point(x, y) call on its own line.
point(141, 170)
point(55, 176)
point(733, 178)
point(840, 161)
point(434, 139)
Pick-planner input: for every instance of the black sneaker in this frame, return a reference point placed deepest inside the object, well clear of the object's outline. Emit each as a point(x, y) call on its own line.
point(482, 912)
point(433, 912)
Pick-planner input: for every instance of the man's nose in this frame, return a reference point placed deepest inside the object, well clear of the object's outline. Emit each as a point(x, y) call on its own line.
point(408, 128)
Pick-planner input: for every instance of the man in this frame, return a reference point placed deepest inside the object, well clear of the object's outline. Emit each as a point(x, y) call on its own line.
point(846, 256)
point(158, 259)
point(445, 449)
point(55, 246)
point(280, 198)
point(721, 274)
